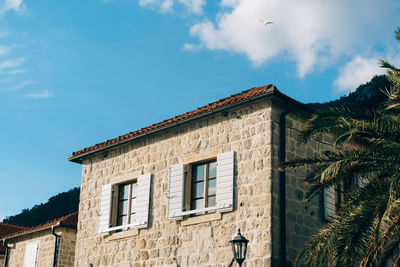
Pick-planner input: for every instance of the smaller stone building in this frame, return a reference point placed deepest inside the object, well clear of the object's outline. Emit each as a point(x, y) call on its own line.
point(48, 244)
point(5, 230)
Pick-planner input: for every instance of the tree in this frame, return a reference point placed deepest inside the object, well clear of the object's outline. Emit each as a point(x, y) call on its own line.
point(366, 147)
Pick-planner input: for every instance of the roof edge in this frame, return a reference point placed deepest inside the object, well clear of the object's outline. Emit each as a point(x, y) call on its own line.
point(59, 222)
point(272, 91)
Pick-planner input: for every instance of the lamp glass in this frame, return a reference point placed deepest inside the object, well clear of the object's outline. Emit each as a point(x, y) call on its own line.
point(239, 247)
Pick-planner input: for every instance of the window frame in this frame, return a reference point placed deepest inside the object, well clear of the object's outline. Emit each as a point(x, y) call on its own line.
point(115, 212)
point(188, 183)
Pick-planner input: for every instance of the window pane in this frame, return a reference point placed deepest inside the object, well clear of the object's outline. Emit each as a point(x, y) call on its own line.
point(123, 207)
point(133, 205)
point(134, 185)
point(197, 190)
point(197, 204)
point(133, 217)
point(198, 173)
point(124, 191)
point(211, 201)
point(212, 170)
point(122, 220)
point(212, 185)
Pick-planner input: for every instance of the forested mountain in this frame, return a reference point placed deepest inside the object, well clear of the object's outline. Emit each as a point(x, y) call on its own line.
point(57, 206)
point(366, 95)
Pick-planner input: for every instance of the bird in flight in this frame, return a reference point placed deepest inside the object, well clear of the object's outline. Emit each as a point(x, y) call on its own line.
point(265, 22)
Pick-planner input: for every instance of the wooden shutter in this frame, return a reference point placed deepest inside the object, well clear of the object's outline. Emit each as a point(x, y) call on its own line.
point(175, 191)
point(225, 174)
point(30, 254)
point(330, 203)
point(143, 200)
point(105, 209)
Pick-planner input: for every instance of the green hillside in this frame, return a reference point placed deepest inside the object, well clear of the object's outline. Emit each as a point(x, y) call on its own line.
point(57, 206)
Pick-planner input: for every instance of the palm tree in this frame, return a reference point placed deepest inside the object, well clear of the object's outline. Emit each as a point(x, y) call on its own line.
point(367, 147)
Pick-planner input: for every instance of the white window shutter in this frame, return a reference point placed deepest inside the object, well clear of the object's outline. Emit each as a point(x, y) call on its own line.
point(362, 182)
point(105, 209)
point(330, 203)
point(225, 175)
point(143, 200)
point(175, 191)
point(30, 254)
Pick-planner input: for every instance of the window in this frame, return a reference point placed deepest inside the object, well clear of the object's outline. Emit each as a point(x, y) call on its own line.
point(126, 207)
point(334, 196)
point(203, 185)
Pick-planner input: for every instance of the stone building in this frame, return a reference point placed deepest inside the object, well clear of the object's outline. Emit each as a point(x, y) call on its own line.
point(5, 230)
point(49, 244)
point(174, 193)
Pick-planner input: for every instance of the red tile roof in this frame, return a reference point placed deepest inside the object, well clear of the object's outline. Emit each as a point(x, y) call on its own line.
point(233, 100)
point(8, 229)
point(70, 220)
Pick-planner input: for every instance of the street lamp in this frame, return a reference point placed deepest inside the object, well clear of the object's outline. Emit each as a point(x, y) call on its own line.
point(239, 248)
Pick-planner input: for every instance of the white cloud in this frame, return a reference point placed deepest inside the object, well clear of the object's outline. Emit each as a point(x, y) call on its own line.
point(310, 32)
point(22, 85)
point(165, 6)
point(162, 5)
point(11, 63)
point(358, 71)
point(230, 3)
point(15, 71)
point(14, 5)
point(40, 95)
point(4, 50)
point(194, 6)
point(191, 47)
point(12, 66)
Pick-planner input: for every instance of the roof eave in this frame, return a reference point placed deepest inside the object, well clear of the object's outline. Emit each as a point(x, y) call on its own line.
point(273, 92)
point(31, 232)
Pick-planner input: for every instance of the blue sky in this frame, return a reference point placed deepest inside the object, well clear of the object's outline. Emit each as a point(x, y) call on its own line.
point(75, 73)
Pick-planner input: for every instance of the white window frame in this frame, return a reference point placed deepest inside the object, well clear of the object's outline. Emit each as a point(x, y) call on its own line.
point(110, 212)
point(221, 206)
point(188, 194)
point(115, 213)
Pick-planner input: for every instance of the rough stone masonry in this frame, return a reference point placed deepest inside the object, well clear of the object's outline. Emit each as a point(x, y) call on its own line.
point(252, 131)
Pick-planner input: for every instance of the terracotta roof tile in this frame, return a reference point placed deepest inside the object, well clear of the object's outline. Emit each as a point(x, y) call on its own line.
point(8, 229)
point(67, 220)
point(227, 101)
point(236, 98)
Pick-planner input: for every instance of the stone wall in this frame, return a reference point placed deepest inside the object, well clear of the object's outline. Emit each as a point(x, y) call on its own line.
point(245, 130)
point(45, 253)
point(66, 255)
point(303, 218)
point(2, 259)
